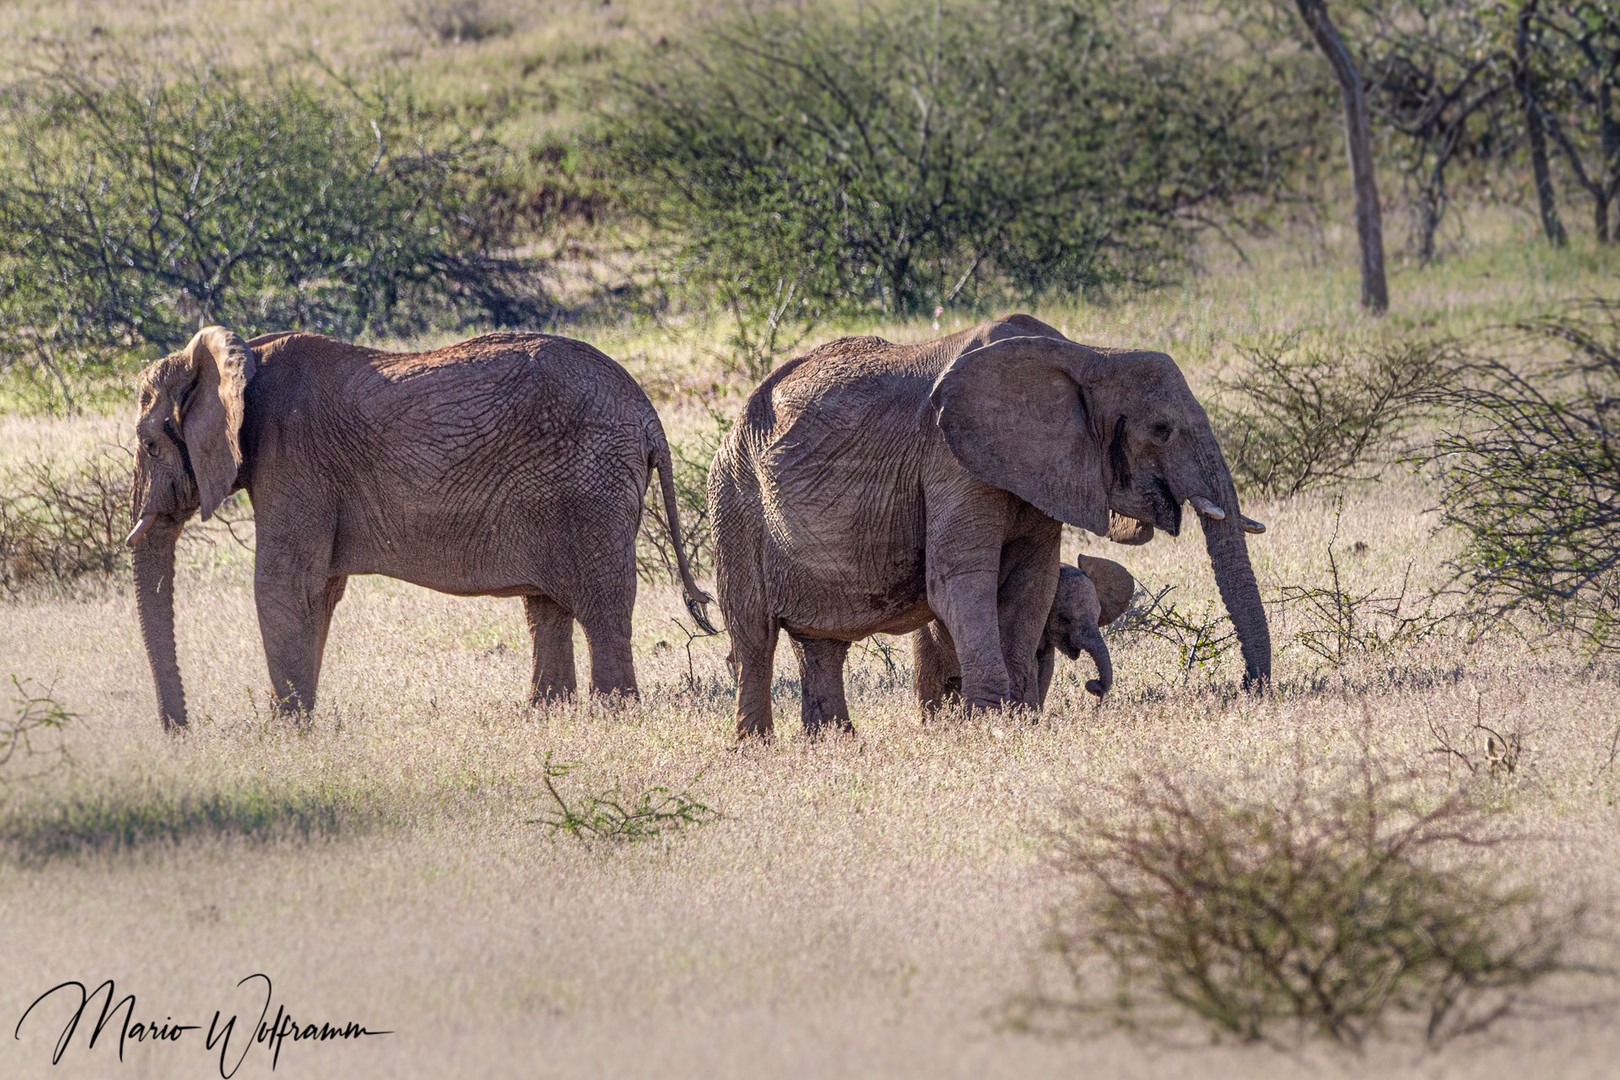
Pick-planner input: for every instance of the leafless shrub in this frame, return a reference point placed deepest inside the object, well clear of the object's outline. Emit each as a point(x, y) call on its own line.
point(1530, 474)
point(1201, 638)
point(62, 523)
point(1307, 416)
point(459, 20)
point(1339, 907)
point(1345, 624)
point(1499, 757)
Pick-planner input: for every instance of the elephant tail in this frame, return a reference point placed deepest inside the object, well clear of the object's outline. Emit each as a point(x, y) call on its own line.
point(658, 457)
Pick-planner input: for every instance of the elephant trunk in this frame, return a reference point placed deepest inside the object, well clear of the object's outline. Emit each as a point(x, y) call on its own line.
point(1234, 576)
point(154, 599)
point(1094, 644)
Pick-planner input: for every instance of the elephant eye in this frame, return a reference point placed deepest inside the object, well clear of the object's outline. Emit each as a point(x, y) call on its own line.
point(150, 446)
point(1162, 431)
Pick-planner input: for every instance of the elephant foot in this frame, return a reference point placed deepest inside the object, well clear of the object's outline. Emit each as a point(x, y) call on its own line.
point(755, 730)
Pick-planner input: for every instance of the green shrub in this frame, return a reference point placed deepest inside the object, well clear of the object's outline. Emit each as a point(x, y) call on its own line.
point(31, 737)
point(133, 209)
point(1530, 474)
point(616, 816)
point(1339, 907)
point(1303, 416)
point(816, 159)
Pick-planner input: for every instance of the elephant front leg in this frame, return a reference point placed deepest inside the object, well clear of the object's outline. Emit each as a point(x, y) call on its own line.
point(821, 684)
point(1029, 567)
point(552, 628)
point(294, 613)
point(964, 599)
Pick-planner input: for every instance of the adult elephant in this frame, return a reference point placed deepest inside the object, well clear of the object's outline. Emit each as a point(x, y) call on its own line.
point(507, 465)
point(871, 486)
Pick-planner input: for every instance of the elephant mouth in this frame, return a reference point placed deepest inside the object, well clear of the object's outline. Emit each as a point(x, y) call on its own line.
point(1070, 650)
point(1166, 507)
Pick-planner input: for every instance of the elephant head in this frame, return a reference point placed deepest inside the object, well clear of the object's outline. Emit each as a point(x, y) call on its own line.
point(1107, 440)
point(188, 452)
point(1089, 597)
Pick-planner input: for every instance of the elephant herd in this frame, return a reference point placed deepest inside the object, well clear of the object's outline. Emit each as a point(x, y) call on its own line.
point(868, 488)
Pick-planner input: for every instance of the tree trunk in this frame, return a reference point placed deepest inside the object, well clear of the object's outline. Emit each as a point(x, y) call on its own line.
point(1358, 137)
point(1535, 129)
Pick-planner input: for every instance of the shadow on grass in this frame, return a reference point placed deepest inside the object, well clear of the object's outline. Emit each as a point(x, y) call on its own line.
point(66, 824)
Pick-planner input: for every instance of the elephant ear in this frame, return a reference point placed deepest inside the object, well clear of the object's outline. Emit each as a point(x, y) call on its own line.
point(1115, 586)
point(1015, 414)
point(211, 418)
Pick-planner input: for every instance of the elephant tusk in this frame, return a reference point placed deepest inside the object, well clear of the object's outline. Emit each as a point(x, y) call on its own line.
point(1207, 508)
point(138, 531)
point(1252, 526)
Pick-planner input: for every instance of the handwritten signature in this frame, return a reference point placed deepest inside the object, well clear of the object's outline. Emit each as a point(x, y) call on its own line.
point(222, 1033)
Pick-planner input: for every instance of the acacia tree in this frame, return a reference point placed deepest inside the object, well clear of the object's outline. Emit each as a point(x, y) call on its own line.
point(1358, 140)
point(1580, 53)
point(1437, 80)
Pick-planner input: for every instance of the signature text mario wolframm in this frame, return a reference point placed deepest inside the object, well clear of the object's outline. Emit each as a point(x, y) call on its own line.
point(222, 1035)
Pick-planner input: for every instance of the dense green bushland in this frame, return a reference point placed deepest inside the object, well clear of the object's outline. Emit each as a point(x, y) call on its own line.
point(137, 207)
point(897, 158)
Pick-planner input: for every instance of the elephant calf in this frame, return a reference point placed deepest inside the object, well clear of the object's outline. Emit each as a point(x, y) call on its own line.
point(1089, 596)
point(507, 465)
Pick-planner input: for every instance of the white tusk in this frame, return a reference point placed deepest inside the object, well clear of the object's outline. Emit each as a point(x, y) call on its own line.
point(138, 531)
point(1207, 508)
point(1252, 526)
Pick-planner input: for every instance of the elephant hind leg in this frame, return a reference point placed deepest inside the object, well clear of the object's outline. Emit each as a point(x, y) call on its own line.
point(552, 628)
point(754, 648)
point(821, 684)
point(613, 666)
point(937, 676)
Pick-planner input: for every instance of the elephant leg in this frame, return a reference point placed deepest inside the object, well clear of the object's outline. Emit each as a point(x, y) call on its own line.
point(613, 666)
point(1045, 665)
point(821, 684)
point(937, 677)
point(335, 587)
point(962, 592)
point(1029, 567)
point(754, 650)
point(552, 628)
point(294, 612)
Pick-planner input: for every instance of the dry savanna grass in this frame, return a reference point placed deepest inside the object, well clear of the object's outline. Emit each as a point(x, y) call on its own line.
point(873, 905)
point(885, 904)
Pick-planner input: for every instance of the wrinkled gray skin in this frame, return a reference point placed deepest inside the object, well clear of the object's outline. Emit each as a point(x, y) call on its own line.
point(870, 487)
point(1089, 596)
point(508, 465)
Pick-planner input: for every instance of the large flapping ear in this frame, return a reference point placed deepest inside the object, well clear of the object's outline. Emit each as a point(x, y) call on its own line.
point(1115, 586)
point(1015, 414)
point(211, 420)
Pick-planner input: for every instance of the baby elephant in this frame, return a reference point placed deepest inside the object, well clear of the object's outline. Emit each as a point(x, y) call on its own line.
point(1089, 597)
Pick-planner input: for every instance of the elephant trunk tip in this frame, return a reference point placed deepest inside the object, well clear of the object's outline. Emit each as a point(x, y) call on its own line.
point(1097, 687)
